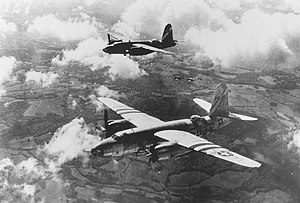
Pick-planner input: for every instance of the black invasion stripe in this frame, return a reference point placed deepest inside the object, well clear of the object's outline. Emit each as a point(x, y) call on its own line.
point(201, 144)
point(124, 109)
point(128, 111)
point(208, 148)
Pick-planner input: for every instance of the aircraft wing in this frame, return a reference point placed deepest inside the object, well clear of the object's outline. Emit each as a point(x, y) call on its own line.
point(144, 46)
point(193, 142)
point(132, 115)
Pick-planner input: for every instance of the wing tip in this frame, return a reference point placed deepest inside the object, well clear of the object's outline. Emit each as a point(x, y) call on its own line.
point(254, 164)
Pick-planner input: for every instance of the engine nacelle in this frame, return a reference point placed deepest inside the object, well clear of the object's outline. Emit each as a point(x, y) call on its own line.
point(201, 124)
point(163, 151)
point(165, 144)
point(116, 122)
point(155, 42)
point(114, 126)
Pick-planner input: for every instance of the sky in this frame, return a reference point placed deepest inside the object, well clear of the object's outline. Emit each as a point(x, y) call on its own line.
point(250, 33)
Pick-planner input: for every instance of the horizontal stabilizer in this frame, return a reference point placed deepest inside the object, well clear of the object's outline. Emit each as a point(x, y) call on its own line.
point(203, 104)
point(241, 117)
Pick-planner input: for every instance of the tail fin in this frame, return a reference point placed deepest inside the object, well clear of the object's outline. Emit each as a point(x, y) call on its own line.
point(167, 37)
point(112, 39)
point(219, 107)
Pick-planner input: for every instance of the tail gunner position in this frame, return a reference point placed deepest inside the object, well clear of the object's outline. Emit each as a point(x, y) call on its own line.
point(138, 133)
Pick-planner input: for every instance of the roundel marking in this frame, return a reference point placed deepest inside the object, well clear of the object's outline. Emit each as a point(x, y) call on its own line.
point(224, 153)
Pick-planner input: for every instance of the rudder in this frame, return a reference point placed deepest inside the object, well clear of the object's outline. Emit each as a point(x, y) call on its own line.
point(167, 37)
point(112, 39)
point(219, 106)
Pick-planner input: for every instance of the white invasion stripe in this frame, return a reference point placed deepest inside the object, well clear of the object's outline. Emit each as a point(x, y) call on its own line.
point(200, 143)
point(202, 148)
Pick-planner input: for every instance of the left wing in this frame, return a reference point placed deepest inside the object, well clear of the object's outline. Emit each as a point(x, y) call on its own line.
point(132, 115)
point(153, 49)
point(193, 142)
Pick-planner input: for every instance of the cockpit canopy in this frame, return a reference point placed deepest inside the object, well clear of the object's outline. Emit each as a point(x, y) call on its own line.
point(121, 134)
point(155, 41)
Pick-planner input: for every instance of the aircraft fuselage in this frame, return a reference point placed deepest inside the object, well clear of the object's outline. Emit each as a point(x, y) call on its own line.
point(141, 141)
point(130, 48)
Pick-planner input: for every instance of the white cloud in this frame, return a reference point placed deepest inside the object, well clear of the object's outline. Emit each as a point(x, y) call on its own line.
point(6, 164)
point(9, 171)
point(30, 169)
point(91, 2)
point(259, 40)
point(238, 33)
point(7, 64)
point(45, 79)
point(27, 190)
point(89, 52)
point(150, 17)
point(225, 4)
point(123, 67)
point(49, 25)
point(295, 142)
point(69, 142)
point(6, 27)
point(103, 91)
point(99, 105)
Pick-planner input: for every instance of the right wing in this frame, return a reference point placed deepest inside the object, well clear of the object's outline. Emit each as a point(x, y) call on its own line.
point(193, 142)
point(144, 46)
point(132, 115)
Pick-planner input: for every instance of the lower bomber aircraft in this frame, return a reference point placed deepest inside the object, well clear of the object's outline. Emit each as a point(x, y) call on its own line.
point(147, 135)
point(138, 48)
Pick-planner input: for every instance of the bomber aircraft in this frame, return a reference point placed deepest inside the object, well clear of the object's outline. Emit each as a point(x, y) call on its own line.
point(147, 135)
point(138, 48)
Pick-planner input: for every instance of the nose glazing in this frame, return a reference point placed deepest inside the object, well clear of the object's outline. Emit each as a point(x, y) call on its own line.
point(98, 151)
point(105, 49)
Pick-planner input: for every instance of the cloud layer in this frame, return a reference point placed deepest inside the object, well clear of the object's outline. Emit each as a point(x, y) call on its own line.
point(67, 143)
point(6, 27)
point(259, 40)
point(89, 52)
point(49, 25)
point(253, 34)
point(7, 64)
point(70, 141)
point(45, 79)
point(295, 142)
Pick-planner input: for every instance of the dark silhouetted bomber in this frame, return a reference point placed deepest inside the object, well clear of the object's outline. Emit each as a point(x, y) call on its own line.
point(138, 48)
